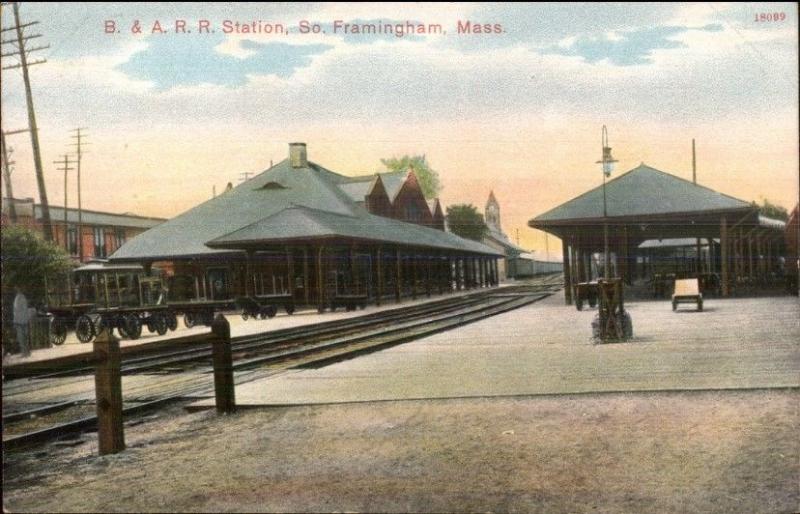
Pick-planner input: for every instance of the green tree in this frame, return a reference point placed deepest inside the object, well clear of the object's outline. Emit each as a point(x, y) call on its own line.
point(428, 177)
point(27, 259)
point(771, 210)
point(465, 221)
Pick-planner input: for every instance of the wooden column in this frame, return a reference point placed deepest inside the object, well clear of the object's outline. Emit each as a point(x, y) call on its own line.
point(398, 286)
point(414, 274)
point(379, 266)
point(440, 273)
point(248, 271)
point(290, 270)
point(565, 253)
point(306, 292)
point(750, 266)
point(723, 240)
point(320, 280)
point(428, 275)
point(459, 275)
point(108, 393)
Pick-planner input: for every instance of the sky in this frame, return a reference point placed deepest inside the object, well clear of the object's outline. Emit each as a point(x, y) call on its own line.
point(519, 110)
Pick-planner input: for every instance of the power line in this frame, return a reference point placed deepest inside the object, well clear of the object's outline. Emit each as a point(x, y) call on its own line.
point(22, 53)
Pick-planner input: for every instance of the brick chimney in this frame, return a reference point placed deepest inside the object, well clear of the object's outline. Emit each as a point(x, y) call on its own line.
point(297, 155)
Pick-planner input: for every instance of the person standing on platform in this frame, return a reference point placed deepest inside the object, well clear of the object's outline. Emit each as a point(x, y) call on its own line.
point(21, 319)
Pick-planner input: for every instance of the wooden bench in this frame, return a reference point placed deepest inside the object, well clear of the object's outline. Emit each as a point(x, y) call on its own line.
point(687, 291)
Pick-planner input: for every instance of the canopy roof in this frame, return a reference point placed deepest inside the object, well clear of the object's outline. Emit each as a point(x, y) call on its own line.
point(641, 192)
point(280, 204)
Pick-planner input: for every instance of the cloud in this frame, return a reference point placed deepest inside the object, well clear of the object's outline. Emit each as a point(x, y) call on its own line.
point(625, 48)
point(178, 61)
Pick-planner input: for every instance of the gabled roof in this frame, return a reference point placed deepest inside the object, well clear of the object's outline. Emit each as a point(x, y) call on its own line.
point(642, 191)
point(187, 233)
point(311, 202)
point(393, 182)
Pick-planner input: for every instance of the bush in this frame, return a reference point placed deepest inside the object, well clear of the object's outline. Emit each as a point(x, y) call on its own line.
point(27, 259)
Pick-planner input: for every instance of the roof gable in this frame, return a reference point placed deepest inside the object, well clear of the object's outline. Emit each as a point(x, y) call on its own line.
point(642, 191)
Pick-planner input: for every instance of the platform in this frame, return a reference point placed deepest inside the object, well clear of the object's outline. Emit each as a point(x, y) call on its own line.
point(546, 349)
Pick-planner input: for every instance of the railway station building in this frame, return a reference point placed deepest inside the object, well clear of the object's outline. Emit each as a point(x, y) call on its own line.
point(301, 230)
point(662, 227)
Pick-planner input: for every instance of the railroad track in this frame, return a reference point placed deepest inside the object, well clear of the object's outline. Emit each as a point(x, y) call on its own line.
point(170, 376)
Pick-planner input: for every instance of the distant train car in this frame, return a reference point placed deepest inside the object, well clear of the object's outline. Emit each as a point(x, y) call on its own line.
point(524, 265)
point(792, 263)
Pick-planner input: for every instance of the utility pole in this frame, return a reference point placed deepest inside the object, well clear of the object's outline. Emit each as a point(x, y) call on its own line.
point(22, 53)
point(66, 166)
point(244, 176)
point(78, 144)
point(7, 163)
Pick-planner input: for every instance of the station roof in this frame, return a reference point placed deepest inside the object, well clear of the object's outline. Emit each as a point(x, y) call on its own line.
point(642, 191)
point(282, 203)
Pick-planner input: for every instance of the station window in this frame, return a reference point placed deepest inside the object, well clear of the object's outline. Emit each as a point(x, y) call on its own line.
point(72, 239)
point(99, 242)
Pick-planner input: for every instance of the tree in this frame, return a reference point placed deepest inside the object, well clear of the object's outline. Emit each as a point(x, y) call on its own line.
point(428, 177)
point(771, 210)
point(465, 221)
point(27, 259)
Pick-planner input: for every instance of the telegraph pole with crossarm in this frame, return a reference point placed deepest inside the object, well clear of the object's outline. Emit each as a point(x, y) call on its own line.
point(22, 53)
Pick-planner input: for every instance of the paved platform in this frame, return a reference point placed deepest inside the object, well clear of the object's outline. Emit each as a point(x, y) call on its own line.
point(239, 327)
point(546, 348)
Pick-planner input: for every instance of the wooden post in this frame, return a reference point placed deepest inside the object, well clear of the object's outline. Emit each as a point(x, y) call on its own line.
point(414, 265)
point(723, 245)
point(750, 255)
point(248, 271)
point(398, 285)
point(379, 267)
point(457, 269)
point(567, 271)
point(320, 281)
point(290, 270)
point(108, 393)
point(428, 276)
point(305, 276)
point(223, 366)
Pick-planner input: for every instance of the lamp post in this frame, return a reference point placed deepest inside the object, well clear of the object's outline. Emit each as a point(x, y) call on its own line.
point(608, 166)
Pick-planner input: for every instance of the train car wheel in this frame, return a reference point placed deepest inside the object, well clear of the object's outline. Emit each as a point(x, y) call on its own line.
point(289, 308)
point(58, 332)
point(188, 320)
point(271, 311)
point(133, 326)
point(84, 329)
point(160, 323)
point(172, 320)
point(245, 315)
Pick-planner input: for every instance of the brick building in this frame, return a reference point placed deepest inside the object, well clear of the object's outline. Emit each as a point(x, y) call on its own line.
point(102, 232)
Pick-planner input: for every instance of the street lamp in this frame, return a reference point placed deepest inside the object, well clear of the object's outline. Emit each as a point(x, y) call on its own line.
point(608, 166)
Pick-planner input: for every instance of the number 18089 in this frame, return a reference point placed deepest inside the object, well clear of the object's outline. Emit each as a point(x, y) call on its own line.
point(770, 16)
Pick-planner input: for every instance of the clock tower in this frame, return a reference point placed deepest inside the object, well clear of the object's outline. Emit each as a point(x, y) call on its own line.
point(492, 213)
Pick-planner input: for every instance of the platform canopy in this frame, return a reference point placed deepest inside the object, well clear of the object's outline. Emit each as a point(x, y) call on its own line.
point(648, 204)
point(282, 205)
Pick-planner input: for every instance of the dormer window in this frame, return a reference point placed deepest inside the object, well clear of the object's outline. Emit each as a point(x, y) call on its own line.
point(273, 185)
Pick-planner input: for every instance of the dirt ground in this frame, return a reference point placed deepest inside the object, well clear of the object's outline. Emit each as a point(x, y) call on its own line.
point(734, 451)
